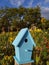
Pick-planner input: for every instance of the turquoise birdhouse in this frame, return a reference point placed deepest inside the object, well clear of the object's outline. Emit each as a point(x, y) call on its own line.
point(23, 45)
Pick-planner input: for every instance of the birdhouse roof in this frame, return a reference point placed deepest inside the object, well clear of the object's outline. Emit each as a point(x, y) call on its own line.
point(19, 36)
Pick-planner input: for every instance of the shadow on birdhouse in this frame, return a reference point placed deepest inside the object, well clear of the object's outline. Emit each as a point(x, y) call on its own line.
point(23, 45)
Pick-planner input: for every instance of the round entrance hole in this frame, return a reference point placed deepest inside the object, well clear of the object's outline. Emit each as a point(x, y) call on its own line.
point(26, 40)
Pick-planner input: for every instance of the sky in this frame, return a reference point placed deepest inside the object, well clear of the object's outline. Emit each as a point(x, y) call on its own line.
point(44, 5)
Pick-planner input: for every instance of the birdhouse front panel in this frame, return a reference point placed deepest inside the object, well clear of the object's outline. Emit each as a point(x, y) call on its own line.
point(26, 48)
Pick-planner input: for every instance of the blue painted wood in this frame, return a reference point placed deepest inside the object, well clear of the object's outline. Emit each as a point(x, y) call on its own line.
point(19, 37)
point(23, 44)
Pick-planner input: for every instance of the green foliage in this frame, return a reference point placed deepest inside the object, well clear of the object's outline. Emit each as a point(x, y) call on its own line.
point(7, 50)
point(15, 17)
point(7, 60)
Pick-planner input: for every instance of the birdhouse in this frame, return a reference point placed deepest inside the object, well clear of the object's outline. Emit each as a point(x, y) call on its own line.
point(23, 44)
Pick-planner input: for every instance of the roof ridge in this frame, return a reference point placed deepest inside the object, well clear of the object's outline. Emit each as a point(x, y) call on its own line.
point(20, 36)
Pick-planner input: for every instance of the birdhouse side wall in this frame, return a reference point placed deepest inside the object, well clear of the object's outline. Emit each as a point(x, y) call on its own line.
point(17, 53)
